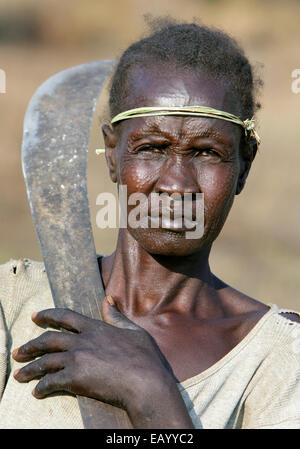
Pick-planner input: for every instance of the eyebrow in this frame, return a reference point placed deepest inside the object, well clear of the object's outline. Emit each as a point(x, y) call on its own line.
point(154, 128)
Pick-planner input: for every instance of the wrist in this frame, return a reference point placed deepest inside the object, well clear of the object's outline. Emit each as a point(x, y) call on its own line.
point(156, 403)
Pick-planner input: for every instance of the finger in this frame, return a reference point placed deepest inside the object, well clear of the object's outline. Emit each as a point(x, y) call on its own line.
point(51, 383)
point(63, 318)
point(112, 315)
point(50, 341)
point(49, 363)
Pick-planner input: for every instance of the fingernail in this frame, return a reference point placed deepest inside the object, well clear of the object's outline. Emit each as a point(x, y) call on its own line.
point(16, 372)
point(33, 316)
point(110, 299)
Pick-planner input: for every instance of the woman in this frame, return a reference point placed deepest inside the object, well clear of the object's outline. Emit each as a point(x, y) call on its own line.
point(179, 348)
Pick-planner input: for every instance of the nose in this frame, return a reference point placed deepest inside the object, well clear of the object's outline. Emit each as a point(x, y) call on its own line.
point(177, 176)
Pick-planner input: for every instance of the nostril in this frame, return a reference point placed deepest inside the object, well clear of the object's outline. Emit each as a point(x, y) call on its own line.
point(177, 179)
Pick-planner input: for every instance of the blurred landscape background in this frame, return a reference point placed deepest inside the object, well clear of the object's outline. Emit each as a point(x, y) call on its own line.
point(258, 251)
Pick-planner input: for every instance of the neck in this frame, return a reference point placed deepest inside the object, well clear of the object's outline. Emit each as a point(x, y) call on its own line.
point(143, 283)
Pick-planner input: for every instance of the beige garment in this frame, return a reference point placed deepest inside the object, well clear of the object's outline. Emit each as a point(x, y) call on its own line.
point(256, 385)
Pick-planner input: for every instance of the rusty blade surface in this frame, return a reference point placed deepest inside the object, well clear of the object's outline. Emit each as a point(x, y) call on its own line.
point(54, 158)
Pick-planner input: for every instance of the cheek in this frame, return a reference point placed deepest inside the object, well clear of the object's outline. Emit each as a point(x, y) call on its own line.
point(138, 175)
point(218, 185)
point(219, 180)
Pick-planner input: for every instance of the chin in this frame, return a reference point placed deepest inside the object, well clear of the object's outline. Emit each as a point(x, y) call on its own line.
point(168, 243)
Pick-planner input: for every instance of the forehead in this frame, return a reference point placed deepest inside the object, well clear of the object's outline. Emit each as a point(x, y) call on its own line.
point(165, 86)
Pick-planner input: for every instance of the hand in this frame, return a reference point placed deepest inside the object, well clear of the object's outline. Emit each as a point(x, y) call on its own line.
point(113, 360)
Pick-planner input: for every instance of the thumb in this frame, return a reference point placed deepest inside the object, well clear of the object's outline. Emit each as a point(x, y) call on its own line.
point(112, 315)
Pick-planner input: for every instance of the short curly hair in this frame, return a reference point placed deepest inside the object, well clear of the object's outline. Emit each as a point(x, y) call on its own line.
point(192, 47)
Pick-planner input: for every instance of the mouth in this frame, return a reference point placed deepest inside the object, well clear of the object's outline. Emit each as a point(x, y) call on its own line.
point(183, 215)
point(178, 224)
point(175, 215)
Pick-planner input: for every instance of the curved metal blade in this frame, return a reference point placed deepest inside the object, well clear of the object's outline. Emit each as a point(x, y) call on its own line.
point(54, 159)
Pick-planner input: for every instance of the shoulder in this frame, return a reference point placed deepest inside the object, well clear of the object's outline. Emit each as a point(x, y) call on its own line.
point(283, 327)
point(272, 398)
point(286, 319)
point(17, 267)
point(278, 342)
point(20, 273)
point(21, 281)
point(287, 326)
point(235, 302)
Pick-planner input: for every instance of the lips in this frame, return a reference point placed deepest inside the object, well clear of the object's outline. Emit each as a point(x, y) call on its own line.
point(178, 213)
point(179, 224)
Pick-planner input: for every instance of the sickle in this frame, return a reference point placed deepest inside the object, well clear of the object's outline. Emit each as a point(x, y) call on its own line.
point(54, 159)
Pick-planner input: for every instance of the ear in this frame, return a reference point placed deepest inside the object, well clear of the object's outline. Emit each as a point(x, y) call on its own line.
point(110, 141)
point(247, 154)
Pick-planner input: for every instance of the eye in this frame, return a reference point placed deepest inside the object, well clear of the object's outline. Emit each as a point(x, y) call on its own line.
point(206, 152)
point(150, 148)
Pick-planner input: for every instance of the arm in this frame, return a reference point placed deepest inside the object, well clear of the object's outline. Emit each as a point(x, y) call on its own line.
point(114, 361)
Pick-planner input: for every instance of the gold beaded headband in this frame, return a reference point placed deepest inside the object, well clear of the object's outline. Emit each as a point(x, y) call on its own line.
point(198, 111)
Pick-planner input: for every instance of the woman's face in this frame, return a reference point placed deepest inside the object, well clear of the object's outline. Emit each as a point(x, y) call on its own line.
point(177, 154)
